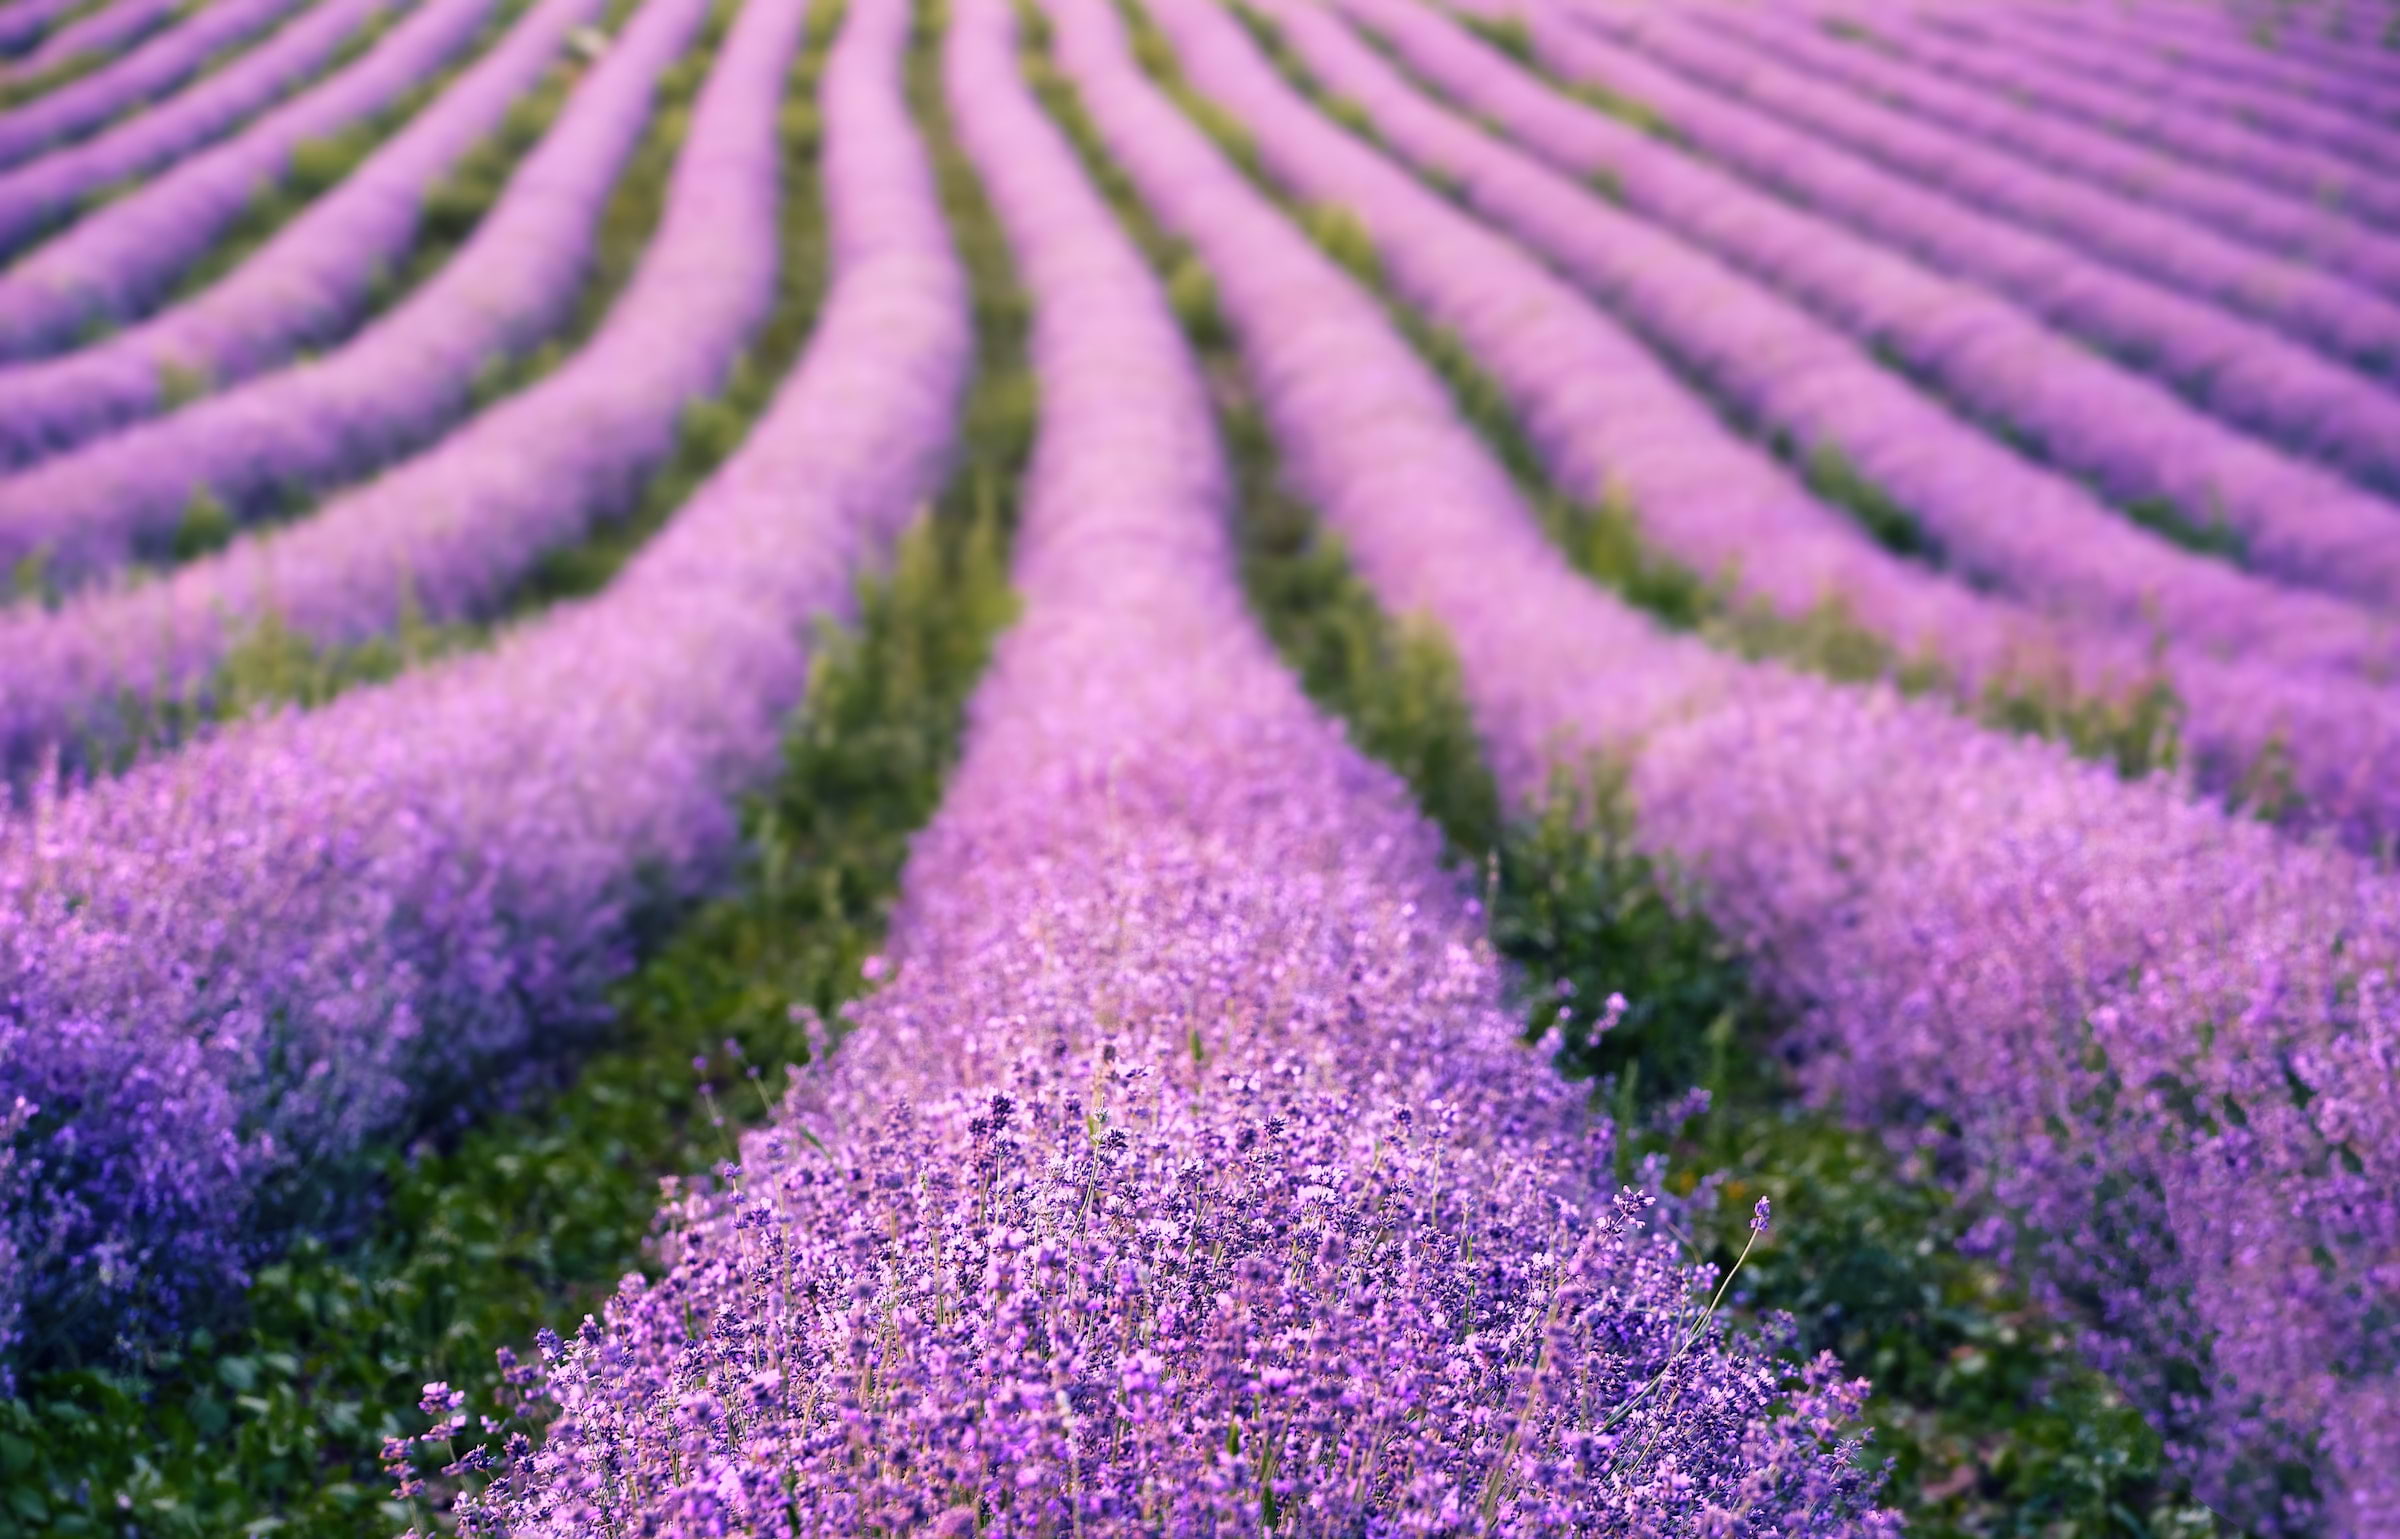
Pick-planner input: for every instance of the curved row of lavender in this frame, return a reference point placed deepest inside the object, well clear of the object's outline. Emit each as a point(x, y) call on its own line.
point(443, 536)
point(2295, 111)
point(73, 110)
point(22, 22)
point(306, 286)
point(2189, 133)
point(115, 263)
point(1196, 1106)
point(2213, 42)
point(391, 388)
point(102, 32)
point(2086, 979)
point(2031, 533)
point(1614, 426)
point(2270, 218)
point(2087, 416)
point(1926, 192)
point(2333, 38)
point(50, 189)
point(319, 927)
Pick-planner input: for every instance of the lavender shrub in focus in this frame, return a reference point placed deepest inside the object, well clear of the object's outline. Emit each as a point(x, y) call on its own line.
point(1191, 1179)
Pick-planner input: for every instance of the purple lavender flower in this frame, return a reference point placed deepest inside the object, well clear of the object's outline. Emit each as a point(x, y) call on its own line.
point(320, 922)
point(115, 264)
point(1358, 1269)
point(133, 80)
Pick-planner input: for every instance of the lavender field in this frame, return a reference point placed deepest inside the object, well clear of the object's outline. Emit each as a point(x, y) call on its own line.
point(1200, 767)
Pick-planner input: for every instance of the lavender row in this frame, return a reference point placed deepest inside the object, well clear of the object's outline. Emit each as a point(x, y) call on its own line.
point(2133, 438)
point(305, 287)
point(74, 110)
point(2274, 220)
point(1615, 427)
point(113, 25)
point(115, 263)
point(1929, 204)
point(2338, 113)
point(319, 926)
point(1985, 930)
point(2189, 133)
point(2276, 49)
point(1194, 1045)
point(2030, 532)
point(443, 536)
point(394, 386)
point(22, 22)
point(46, 191)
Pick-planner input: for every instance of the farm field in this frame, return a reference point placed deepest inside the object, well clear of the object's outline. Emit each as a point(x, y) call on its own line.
point(1204, 767)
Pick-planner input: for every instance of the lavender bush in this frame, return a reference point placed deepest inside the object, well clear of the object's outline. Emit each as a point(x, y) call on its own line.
point(1613, 425)
point(443, 536)
point(115, 263)
point(2192, 134)
point(307, 286)
point(22, 22)
point(2133, 438)
point(2013, 952)
point(1924, 191)
point(49, 189)
point(323, 927)
point(390, 388)
point(1190, 1179)
point(115, 23)
point(1986, 511)
point(2337, 114)
point(76, 109)
point(2273, 219)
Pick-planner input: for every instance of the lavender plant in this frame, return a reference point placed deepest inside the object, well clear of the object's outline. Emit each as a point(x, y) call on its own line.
point(69, 113)
point(1785, 800)
point(443, 867)
point(387, 390)
point(114, 264)
point(1126, 1208)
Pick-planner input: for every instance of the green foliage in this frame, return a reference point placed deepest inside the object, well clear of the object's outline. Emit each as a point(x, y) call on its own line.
point(180, 384)
point(2207, 534)
point(1832, 477)
point(1343, 236)
point(1509, 34)
point(207, 524)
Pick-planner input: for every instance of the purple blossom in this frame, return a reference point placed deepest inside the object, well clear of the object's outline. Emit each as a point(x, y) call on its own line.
point(1962, 209)
point(2110, 992)
point(320, 926)
point(1356, 1268)
point(77, 108)
point(444, 536)
point(115, 264)
point(308, 284)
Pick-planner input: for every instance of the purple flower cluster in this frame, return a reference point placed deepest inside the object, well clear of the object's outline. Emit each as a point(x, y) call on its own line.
point(2038, 536)
point(307, 285)
point(102, 32)
point(44, 191)
point(1612, 424)
point(225, 971)
point(2192, 134)
point(2162, 1042)
point(391, 388)
point(2271, 218)
point(114, 264)
point(76, 109)
point(1924, 190)
point(2293, 106)
point(2133, 437)
point(442, 536)
point(1189, 1179)
point(22, 22)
